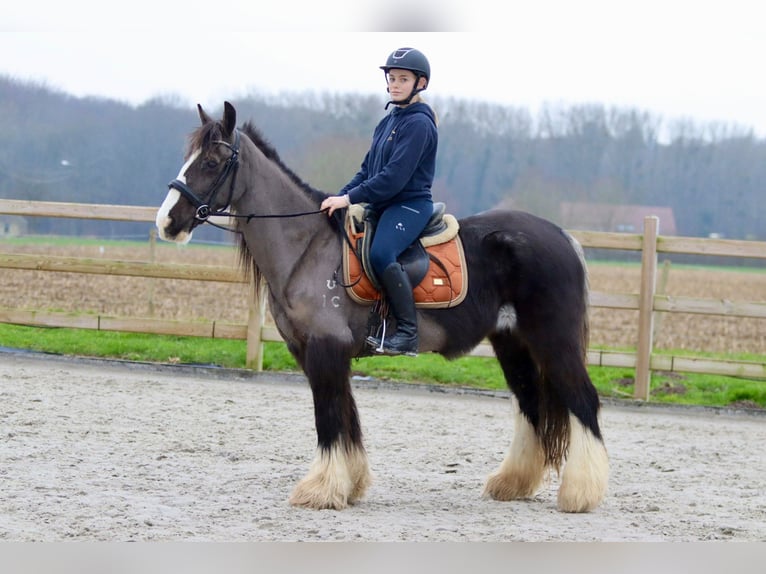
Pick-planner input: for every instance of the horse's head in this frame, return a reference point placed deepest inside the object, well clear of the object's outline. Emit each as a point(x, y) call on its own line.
point(205, 185)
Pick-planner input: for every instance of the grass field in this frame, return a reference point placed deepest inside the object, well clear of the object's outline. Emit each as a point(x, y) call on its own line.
point(177, 299)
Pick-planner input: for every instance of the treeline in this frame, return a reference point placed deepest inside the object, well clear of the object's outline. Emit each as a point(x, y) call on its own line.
point(60, 148)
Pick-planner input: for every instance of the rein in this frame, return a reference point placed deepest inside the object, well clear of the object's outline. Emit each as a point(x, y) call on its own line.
point(231, 167)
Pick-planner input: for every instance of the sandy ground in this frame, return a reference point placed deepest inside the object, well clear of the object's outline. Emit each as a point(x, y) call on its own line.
point(107, 451)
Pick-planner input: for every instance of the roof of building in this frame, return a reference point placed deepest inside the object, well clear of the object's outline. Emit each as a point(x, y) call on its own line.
point(609, 217)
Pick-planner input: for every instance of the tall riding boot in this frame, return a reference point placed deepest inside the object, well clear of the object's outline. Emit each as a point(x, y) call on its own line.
point(404, 341)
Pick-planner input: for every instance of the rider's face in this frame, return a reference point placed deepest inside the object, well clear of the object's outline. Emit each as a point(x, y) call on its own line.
point(401, 83)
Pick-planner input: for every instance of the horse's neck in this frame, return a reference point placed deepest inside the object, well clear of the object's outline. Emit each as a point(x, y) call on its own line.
point(280, 246)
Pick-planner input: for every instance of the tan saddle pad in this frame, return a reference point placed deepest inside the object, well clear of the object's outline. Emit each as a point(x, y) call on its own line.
point(445, 283)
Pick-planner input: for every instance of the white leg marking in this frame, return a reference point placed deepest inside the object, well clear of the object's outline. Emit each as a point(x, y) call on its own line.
point(522, 471)
point(336, 479)
point(361, 477)
point(506, 318)
point(586, 473)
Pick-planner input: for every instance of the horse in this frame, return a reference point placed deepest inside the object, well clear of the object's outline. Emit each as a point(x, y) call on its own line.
point(527, 294)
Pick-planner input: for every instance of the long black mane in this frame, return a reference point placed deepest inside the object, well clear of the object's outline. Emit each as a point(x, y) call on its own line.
point(255, 135)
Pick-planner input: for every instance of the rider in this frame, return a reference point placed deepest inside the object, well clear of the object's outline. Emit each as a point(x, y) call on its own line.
point(395, 182)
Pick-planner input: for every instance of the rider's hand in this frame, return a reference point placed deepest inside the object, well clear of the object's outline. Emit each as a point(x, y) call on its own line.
point(335, 202)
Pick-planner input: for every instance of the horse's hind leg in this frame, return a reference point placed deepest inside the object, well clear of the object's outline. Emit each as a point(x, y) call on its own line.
point(340, 473)
point(571, 404)
point(558, 420)
point(522, 471)
point(586, 472)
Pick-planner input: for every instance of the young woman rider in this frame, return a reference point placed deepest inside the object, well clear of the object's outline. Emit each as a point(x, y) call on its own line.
point(395, 181)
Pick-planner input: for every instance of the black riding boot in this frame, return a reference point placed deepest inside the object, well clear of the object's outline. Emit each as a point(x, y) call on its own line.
point(404, 341)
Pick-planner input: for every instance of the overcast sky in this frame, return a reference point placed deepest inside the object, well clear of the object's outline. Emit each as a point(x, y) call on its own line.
point(678, 59)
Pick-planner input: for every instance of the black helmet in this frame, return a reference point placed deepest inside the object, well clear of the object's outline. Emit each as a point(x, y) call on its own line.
point(409, 59)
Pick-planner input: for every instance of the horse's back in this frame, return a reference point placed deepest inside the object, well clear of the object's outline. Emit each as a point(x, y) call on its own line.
point(512, 221)
point(518, 242)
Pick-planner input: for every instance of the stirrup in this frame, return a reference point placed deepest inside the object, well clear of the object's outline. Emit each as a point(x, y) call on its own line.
point(390, 353)
point(377, 342)
point(379, 345)
point(395, 352)
point(373, 342)
point(390, 347)
point(379, 349)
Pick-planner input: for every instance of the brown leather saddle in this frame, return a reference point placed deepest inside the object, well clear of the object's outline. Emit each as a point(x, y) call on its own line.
point(435, 263)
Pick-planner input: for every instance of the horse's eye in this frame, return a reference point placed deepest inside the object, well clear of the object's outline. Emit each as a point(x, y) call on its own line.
point(210, 164)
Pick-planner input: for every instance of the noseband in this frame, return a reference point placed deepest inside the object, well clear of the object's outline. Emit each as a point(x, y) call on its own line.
point(203, 205)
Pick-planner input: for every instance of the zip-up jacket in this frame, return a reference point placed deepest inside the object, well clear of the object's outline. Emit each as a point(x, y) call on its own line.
point(401, 161)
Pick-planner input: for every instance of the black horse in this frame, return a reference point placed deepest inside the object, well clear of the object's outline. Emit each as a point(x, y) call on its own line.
point(528, 294)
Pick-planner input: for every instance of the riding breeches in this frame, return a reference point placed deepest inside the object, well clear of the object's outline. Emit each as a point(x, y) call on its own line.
point(398, 227)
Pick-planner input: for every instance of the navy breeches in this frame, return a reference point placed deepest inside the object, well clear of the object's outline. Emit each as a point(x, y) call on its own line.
point(398, 227)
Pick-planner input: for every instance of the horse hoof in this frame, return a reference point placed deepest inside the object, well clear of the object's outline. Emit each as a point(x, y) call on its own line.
point(580, 500)
point(338, 477)
point(505, 487)
point(585, 477)
point(305, 497)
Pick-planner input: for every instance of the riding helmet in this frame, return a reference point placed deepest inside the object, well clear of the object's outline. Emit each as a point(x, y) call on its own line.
point(409, 59)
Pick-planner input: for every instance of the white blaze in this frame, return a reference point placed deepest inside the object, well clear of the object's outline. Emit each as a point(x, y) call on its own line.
point(163, 214)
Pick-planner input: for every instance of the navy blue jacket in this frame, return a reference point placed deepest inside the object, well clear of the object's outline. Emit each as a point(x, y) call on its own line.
point(401, 162)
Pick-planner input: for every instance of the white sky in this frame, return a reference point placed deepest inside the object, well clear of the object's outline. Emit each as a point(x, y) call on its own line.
point(700, 60)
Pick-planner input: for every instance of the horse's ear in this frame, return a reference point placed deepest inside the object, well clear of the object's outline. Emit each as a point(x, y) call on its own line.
point(229, 118)
point(203, 115)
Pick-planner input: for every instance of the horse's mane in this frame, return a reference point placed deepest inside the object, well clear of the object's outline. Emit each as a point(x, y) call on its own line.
point(212, 131)
point(271, 154)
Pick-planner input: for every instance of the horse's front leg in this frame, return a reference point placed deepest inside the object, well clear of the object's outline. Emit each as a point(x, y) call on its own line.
point(340, 472)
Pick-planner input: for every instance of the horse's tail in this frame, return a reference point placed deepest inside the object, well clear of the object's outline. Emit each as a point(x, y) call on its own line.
point(585, 292)
point(561, 395)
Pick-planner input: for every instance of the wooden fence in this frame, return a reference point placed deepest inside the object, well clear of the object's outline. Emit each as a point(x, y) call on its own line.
point(647, 301)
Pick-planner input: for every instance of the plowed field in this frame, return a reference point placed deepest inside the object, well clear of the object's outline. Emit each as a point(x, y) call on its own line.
point(180, 299)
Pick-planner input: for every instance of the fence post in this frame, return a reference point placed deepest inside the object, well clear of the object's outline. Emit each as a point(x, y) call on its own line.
point(255, 321)
point(646, 307)
point(152, 258)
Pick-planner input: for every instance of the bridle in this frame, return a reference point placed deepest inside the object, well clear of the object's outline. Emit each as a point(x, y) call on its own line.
point(203, 213)
point(231, 166)
point(203, 205)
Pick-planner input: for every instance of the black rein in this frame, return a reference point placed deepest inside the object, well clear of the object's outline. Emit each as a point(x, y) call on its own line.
point(230, 168)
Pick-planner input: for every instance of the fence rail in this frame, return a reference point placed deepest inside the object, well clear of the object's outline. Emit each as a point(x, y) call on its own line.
point(647, 301)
